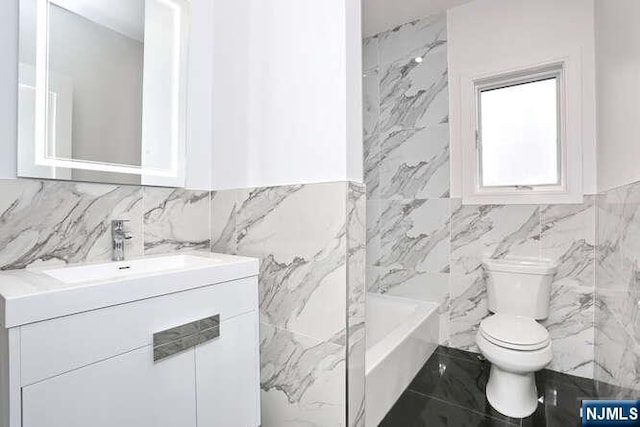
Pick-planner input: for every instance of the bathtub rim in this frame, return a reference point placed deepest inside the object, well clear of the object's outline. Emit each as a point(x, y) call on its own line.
point(377, 353)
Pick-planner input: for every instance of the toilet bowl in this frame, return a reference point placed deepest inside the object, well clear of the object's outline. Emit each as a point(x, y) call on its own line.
point(518, 292)
point(517, 347)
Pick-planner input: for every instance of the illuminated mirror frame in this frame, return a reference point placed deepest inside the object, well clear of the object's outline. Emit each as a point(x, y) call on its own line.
point(175, 175)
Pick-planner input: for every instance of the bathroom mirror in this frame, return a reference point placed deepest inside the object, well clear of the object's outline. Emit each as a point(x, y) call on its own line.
point(102, 88)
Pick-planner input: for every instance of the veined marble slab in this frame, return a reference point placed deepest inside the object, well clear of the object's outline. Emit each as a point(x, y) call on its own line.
point(303, 380)
point(61, 222)
point(175, 220)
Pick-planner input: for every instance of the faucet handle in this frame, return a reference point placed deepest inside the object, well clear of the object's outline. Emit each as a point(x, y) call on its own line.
point(118, 223)
point(117, 228)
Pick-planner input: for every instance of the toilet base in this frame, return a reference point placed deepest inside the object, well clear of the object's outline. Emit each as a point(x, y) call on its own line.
point(511, 394)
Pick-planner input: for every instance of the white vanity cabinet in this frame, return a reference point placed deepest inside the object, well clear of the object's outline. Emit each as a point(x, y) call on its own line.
point(182, 359)
point(126, 390)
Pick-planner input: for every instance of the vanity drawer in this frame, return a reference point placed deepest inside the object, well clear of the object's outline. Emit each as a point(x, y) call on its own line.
point(128, 390)
point(55, 346)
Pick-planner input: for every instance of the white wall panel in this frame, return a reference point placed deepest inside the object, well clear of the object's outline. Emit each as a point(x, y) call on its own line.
point(618, 73)
point(495, 34)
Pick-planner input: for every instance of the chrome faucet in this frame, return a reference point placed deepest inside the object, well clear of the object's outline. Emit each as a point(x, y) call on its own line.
point(119, 235)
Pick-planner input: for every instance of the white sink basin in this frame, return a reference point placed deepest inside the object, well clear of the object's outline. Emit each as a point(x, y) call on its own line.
point(122, 269)
point(41, 293)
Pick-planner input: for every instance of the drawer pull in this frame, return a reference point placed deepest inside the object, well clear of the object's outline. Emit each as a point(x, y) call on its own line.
point(180, 338)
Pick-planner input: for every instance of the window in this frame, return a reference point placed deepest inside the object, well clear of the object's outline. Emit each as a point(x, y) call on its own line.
point(518, 134)
point(518, 149)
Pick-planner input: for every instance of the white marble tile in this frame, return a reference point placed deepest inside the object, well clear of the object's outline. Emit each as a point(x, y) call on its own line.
point(494, 231)
point(374, 209)
point(175, 220)
point(566, 233)
point(413, 39)
point(407, 166)
point(294, 217)
point(609, 242)
point(571, 327)
point(303, 380)
point(370, 53)
point(630, 255)
point(617, 313)
point(414, 249)
point(356, 384)
point(53, 222)
point(356, 261)
point(630, 310)
point(617, 354)
point(415, 235)
point(568, 236)
point(371, 166)
point(431, 287)
point(625, 305)
point(603, 372)
point(298, 232)
point(443, 314)
point(467, 308)
point(223, 220)
point(414, 95)
point(370, 102)
point(414, 163)
point(311, 243)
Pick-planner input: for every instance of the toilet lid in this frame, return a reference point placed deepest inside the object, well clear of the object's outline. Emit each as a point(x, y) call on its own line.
point(514, 332)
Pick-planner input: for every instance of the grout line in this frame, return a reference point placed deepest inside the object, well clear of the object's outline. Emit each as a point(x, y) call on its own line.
point(318, 340)
point(594, 321)
point(506, 420)
point(465, 359)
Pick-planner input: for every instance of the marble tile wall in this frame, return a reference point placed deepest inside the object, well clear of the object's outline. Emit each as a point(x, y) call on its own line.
point(406, 159)
point(311, 243)
point(423, 244)
point(356, 293)
point(310, 240)
point(565, 233)
point(617, 302)
point(64, 222)
point(175, 220)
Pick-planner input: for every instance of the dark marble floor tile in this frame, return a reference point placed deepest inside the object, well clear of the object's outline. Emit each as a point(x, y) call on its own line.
point(559, 406)
point(460, 381)
point(416, 410)
point(561, 398)
point(610, 391)
point(552, 417)
point(455, 380)
point(460, 354)
point(585, 385)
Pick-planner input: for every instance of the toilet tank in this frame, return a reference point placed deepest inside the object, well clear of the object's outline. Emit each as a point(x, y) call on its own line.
point(520, 286)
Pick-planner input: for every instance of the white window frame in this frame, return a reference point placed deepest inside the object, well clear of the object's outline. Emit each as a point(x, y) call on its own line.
point(569, 189)
point(495, 83)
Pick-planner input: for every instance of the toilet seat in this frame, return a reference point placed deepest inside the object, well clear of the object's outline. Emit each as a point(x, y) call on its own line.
point(514, 332)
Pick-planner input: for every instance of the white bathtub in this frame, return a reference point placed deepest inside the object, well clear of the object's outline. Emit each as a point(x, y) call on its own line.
point(402, 334)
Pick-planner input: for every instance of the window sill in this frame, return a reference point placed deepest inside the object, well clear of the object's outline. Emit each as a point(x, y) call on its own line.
point(522, 198)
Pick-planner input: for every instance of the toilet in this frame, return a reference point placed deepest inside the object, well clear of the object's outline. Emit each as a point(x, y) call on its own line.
point(517, 346)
